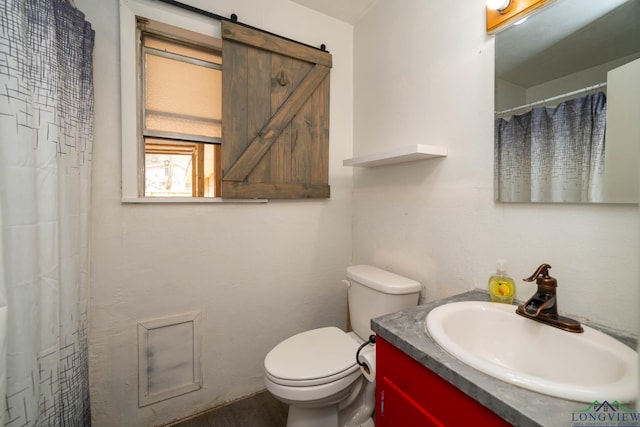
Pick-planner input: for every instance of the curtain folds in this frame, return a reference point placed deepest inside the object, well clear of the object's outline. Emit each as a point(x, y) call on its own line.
point(46, 133)
point(552, 154)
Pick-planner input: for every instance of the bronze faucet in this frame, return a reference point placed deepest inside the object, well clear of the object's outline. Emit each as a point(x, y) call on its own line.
point(543, 305)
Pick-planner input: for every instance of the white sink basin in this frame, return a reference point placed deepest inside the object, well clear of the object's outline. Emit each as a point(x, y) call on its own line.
point(492, 338)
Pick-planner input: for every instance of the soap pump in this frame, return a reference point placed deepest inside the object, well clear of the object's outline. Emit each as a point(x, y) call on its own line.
point(501, 286)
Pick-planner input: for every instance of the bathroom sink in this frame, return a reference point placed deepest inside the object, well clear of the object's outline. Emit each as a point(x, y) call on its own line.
point(492, 338)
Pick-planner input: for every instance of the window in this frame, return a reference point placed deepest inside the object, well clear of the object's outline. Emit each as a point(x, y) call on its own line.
point(181, 110)
point(257, 130)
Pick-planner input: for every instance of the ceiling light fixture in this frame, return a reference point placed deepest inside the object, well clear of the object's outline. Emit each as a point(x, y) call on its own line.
point(498, 5)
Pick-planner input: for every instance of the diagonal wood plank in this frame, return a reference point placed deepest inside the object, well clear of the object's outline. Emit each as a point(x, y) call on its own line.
point(270, 132)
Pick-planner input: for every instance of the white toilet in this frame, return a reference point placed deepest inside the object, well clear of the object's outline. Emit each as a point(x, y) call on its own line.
point(315, 372)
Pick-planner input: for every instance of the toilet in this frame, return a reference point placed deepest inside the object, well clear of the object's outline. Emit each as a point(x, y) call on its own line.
point(315, 372)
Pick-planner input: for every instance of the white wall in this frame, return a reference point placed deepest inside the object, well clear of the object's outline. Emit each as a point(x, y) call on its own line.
point(424, 74)
point(581, 79)
point(508, 95)
point(258, 273)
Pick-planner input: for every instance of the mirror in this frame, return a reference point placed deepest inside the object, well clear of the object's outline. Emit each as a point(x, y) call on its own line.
point(574, 49)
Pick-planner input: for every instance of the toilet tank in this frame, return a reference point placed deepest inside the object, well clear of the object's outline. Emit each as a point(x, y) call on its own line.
point(374, 292)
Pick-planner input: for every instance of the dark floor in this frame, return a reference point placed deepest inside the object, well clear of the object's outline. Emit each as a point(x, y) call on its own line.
point(259, 410)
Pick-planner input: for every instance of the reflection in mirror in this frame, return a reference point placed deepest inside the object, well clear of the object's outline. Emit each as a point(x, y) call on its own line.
point(568, 103)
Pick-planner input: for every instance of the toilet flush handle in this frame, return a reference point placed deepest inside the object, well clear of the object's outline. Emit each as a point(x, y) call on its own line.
point(346, 282)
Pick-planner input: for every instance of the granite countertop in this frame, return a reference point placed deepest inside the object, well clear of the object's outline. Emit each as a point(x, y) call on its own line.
point(521, 407)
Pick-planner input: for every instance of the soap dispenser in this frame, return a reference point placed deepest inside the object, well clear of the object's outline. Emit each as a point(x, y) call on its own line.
point(501, 286)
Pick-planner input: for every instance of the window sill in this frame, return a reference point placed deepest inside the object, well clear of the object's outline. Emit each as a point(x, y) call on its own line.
point(152, 200)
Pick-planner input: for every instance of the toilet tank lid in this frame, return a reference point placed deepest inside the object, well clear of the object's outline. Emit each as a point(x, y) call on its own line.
point(382, 280)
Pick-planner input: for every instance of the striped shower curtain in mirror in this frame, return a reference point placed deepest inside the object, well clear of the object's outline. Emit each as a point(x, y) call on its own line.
point(552, 154)
point(46, 132)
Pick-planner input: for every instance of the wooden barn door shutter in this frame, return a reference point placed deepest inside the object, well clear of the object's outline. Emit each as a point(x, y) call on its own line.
point(275, 117)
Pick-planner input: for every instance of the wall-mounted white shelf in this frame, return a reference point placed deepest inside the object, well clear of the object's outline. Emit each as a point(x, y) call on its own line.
point(408, 153)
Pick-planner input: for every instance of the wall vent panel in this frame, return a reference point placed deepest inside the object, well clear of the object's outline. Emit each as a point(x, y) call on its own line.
point(169, 357)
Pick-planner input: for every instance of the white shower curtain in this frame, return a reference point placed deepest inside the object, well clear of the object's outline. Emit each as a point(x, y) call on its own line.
point(46, 132)
point(552, 154)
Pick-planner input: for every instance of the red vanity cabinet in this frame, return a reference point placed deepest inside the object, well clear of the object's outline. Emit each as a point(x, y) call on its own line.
point(408, 394)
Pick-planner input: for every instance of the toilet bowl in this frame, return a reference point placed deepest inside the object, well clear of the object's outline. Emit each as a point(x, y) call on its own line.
point(315, 372)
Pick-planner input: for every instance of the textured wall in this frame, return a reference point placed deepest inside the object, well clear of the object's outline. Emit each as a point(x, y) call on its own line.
point(424, 74)
point(257, 273)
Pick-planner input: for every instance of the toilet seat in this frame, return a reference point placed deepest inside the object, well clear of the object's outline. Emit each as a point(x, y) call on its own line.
point(311, 358)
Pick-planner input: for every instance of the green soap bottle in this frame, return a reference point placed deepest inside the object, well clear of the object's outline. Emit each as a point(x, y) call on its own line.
point(501, 286)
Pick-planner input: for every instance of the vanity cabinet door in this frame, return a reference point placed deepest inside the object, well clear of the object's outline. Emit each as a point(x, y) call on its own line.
point(408, 394)
point(399, 409)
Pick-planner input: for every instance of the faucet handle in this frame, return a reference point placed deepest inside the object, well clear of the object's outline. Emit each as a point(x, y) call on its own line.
point(542, 278)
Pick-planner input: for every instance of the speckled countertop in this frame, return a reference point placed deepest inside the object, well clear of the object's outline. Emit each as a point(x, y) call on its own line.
point(519, 406)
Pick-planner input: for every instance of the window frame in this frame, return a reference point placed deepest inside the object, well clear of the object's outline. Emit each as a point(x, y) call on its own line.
point(173, 139)
point(190, 26)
